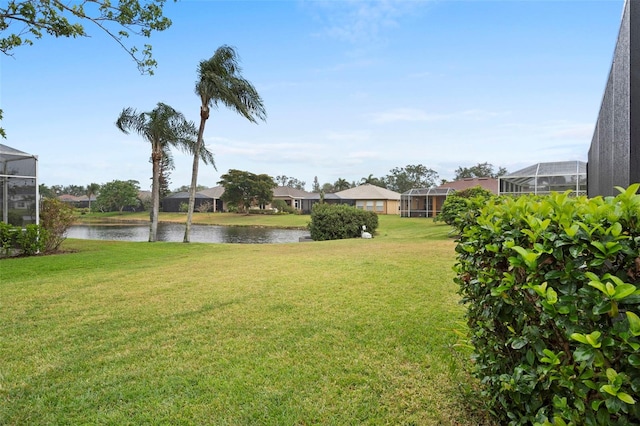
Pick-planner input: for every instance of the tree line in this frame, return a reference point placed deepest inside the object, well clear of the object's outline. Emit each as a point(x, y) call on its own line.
point(244, 189)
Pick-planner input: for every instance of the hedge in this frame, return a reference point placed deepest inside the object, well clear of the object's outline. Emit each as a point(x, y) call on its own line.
point(338, 221)
point(551, 289)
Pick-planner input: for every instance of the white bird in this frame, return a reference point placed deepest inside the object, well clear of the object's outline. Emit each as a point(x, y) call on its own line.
point(364, 233)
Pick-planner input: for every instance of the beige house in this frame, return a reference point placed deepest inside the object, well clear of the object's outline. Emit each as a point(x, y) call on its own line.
point(372, 198)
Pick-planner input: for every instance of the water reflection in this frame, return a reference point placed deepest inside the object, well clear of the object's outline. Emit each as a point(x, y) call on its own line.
point(174, 232)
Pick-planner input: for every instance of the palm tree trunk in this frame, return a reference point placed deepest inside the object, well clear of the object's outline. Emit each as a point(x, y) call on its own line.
point(155, 194)
point(204, 115)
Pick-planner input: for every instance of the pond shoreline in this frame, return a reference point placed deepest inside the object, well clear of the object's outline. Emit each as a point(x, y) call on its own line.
point(103, 221)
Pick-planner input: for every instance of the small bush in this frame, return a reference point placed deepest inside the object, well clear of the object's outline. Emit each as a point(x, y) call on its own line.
point(32, 240)
point(334, 222)
point(183, 208)
point(14, 240)
point(55, 217)
point(552, 288)
point(203, 208)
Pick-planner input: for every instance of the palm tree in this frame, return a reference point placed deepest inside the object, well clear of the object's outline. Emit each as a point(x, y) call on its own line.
point(92, 189)
point(162, 127)
point(341, 184)
point(220, 82)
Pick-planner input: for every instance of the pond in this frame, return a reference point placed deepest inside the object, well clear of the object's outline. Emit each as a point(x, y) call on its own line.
point(174, 232)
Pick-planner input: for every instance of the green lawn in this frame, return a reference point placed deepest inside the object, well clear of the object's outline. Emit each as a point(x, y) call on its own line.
point(328, 333)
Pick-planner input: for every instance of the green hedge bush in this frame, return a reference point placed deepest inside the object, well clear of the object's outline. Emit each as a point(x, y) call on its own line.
point(27, 241)
point(460, 201)
point(334, 222)
point(551, 288)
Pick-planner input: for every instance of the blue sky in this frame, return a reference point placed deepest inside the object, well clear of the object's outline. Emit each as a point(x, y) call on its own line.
point(351, 88)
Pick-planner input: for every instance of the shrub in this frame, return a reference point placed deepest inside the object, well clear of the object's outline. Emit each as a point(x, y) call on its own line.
point(8, 238)
point(202, 208)
point(551, 288)
point(183, 208)
point(460, 202)
point(334, 222)
point(55, 217)
point(32, 240)
point(14, 240)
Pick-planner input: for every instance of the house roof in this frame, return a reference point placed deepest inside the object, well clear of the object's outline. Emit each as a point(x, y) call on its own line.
point(215, 192)
point(327, 196)
point(489, 184)
point(185, 195)
point(285, 191)
point(69, 198)
point(368, 192)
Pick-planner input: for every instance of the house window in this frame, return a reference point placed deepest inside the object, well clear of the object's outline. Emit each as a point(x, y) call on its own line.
point(370, 206)
point(296, 204)
point(379, 206)
point(21, 205)
point(360, 205)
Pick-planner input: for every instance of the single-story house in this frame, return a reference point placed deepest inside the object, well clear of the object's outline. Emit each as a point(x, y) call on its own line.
point(208, 199)
point(427, 202)
point(372, 198)
point(75, 201)
point(292, 196)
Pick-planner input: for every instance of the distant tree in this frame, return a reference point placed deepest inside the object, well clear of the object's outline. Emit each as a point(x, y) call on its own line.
point(166, 167)
point(220, 81)
point(45, 191)
point(92, 189)
point(478, 171)
point(75, 190)
point(244, 189)
point(290, 182)
point(162, 127)
point(57, 190)
point(370, 180)
point(327, 188)
point(118, 194)
point(402, 179)
point(315, 188)
point(341, 185)
point(264, 185)
point(186, 188)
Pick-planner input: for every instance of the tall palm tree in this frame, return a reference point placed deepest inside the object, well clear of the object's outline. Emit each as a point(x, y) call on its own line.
point(92, 189)
point(163, 127)
point(220, 82)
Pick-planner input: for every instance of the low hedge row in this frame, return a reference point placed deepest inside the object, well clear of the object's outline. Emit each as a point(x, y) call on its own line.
point(338, 221)
point(551, 286)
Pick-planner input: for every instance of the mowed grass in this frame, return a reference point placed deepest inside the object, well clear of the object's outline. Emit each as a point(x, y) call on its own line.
point(329, 333)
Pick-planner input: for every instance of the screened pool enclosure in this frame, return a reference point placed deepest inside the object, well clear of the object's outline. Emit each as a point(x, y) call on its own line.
point(544, 178)
point(18, 187)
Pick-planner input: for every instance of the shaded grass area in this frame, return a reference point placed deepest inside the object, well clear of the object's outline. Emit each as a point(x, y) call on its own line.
point(337, 332)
